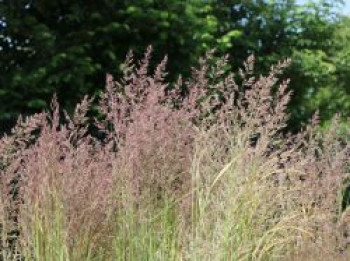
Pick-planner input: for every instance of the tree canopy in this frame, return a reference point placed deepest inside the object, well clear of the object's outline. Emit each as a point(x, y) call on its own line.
point(67, 47)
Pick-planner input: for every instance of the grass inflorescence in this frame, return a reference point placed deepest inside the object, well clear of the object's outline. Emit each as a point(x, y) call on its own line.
point(202, 169)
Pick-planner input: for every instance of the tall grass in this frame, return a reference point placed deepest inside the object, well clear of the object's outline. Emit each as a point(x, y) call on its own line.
point(198, 170)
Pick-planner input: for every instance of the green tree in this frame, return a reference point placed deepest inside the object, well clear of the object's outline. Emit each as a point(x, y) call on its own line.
point(335, 96)
point(278, 29)
point(67, 46)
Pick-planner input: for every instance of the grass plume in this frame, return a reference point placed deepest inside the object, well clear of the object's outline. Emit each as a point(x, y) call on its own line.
point(202, 169)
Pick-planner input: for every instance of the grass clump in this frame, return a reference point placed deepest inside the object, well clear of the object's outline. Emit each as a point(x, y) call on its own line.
point(199, 170)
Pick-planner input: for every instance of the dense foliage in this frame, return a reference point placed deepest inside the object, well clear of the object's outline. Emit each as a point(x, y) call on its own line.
point(67, 47)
